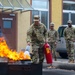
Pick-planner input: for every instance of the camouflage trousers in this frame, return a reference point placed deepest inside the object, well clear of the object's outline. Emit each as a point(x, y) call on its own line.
point(37, 54)
point(70, 49)
point(53, 47)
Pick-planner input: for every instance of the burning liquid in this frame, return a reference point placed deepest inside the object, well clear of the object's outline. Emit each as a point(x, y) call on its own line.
point(9, 53)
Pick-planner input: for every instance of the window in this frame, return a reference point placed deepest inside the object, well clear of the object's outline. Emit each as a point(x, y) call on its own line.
point(44, 17)
point(73, 18)
point(69, 5)
point(42, 4)
point(41, 9)
point(65, 18)
point(68, 11)
point(7, 24)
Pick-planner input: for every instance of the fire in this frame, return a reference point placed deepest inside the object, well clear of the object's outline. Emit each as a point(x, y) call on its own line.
point(11, 54)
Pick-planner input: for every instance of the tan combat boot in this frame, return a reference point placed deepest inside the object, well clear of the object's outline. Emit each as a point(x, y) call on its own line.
point(55, 59)
point(69, 61)
point(72, 61)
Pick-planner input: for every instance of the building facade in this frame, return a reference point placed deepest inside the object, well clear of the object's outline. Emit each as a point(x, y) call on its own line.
point(16, 16)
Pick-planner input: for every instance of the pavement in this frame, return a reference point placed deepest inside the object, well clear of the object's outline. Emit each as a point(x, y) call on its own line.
point(61, 64)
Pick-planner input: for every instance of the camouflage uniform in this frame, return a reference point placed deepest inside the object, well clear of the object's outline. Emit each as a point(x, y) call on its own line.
point(69, 34)
point(37, 35)
point(52, 38)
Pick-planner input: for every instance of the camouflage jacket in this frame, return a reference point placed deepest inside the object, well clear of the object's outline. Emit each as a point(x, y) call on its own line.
point(52, 35)
point(37, 34)
point(69, 33)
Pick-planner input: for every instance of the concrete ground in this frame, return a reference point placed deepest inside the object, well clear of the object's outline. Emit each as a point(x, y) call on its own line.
point(61, 64)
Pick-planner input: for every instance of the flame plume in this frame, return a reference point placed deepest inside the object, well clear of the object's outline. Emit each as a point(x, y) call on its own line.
point(11, 54)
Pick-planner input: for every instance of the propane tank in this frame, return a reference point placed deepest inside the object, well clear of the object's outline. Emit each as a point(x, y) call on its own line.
point(48, 53)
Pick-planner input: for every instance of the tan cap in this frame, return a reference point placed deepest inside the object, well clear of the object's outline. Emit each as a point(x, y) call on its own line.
point(36, 17)
point(69, 21)
point(51, 24)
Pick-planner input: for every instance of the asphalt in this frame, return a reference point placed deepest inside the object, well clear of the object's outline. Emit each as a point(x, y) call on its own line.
point(61, 64)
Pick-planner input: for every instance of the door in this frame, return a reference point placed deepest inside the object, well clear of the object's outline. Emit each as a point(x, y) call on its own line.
point(8, 25)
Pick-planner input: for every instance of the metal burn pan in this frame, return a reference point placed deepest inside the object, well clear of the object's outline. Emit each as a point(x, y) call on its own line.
point(3, 68)
point(24, 69)
point(20, 69)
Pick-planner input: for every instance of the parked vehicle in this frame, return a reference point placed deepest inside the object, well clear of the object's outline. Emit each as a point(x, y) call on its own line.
point(61, 44)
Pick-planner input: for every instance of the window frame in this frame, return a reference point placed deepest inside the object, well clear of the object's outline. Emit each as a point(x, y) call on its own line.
point(6, 26)
point(69, 12)
point(40, 10)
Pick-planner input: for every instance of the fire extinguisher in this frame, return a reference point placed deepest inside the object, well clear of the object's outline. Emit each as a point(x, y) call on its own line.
point(48, 53)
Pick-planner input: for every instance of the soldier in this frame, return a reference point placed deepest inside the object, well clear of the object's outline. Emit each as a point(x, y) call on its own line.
point(52, 39)
point(69, 34)
point(37, 35)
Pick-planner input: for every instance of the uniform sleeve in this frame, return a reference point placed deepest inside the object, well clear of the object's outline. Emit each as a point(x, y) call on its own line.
point(64, 33)
point(57, 35)
point(29, 34)
point(74, 33)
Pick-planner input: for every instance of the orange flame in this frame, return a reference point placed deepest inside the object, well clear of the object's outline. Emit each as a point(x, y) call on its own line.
point(9, 53)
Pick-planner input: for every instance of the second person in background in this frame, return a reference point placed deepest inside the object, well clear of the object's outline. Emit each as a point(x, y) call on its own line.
point(52, 39)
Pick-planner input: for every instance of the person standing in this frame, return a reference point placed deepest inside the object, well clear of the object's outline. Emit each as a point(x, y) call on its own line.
point(37, 36)
point(52, 39)
point(69, 34)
